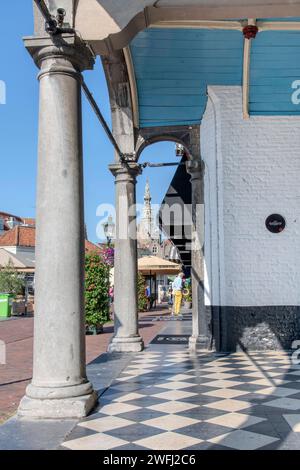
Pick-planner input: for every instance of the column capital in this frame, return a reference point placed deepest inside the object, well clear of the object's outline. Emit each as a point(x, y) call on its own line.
point(66, 46)
point(128, 171)
point(195, 168)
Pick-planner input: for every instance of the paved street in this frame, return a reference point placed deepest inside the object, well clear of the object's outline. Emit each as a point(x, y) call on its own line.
point(17, 333)
point(168, 399)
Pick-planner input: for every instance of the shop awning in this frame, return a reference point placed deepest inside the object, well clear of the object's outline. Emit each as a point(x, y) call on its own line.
point(150, 265)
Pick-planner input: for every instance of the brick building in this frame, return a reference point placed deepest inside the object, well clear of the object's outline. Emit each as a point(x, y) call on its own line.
point(9, 221)
point(18, 242)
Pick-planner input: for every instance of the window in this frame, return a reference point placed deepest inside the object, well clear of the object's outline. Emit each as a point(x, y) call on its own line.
point(154, 249)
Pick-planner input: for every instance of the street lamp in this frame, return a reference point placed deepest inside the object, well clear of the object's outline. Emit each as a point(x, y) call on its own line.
point(109, 229)
point(179, 150)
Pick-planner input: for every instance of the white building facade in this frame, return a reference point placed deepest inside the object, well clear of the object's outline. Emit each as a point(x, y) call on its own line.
point(252, 274)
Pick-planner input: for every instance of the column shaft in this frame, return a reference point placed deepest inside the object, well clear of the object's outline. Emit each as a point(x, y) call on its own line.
point(59, 387)
point(200, 333)
point(126, 337)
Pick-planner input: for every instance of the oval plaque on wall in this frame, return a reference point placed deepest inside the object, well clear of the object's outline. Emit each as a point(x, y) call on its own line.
point(275, 223)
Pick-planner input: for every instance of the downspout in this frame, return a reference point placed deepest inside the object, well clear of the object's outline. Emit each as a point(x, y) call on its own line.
point(249, 32)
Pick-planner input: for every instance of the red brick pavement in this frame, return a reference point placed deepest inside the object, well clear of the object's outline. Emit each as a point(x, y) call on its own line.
point(18, 336)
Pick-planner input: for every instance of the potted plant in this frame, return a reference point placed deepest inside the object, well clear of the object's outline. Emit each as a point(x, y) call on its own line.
point(142, 299)
point(187, 297)
point(188, 301)
point(11, 284)
point(96, 293)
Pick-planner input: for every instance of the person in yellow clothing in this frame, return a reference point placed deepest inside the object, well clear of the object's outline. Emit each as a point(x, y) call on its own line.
point(177, 293)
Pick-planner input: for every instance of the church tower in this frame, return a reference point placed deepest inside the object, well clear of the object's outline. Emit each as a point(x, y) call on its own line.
point(148, 234)
point(147, 213)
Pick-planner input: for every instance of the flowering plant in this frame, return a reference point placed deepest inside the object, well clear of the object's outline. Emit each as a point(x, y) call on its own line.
point(96, 290)
point(109, 256)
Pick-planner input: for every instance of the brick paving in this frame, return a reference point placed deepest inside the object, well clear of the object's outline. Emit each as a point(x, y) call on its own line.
point(17, 333)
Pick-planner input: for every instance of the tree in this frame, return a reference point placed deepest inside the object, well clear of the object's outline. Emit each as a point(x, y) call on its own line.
point(11, 282)
point(96, 290)
point(142, 299)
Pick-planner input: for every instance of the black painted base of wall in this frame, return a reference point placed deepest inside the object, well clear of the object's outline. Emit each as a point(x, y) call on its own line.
point(254, 328)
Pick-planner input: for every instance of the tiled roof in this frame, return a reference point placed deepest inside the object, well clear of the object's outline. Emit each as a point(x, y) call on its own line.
point(6, 219)
point(29, 221)
point(19, 261)
point(19, 236)
point(25, 236)
point(5, 215)
point(91, 247)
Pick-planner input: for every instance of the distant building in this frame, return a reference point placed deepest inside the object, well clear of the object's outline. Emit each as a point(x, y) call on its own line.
point(9, 221)
point(17, 242)
point(148, 236)
point(149, 240)
point(92, 248)
point(18, 246)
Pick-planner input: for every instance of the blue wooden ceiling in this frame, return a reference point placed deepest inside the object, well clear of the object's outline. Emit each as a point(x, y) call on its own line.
point(275, 65)
point(173, 68)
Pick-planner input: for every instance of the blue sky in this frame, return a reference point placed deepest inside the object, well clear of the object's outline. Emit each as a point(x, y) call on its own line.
point(19, 130)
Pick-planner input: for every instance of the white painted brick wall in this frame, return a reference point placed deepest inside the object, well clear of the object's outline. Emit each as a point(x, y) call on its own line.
point(252, 171)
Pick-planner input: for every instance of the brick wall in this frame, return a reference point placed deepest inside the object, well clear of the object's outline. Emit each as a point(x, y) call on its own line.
point(252, 171)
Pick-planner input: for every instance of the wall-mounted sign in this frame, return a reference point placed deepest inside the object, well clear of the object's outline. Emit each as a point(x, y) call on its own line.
point(275, 223)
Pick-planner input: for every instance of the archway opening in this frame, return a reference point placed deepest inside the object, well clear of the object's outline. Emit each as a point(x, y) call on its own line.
point(162, 194)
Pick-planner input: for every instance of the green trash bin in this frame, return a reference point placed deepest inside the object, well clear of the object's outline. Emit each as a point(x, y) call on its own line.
point(6, 301)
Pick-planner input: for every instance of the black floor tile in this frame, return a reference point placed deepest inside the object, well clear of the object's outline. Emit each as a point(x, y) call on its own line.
point(201, 413)
point(142, 415)
point(152, 390)
point(204, 430)
point(265, 427)
point(134, 432)
point(248, 387)
point(200, 399)
point(79, 432)
point(146, 401)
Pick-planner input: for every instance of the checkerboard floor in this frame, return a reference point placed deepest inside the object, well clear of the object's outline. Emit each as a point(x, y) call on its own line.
point(170, 400)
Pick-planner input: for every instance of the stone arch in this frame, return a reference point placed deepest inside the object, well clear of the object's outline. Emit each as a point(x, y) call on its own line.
point(189, 138)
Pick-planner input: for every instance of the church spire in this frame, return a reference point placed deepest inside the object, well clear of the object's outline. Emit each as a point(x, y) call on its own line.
point(147, 232)
point(147, 213)
point(147, 196)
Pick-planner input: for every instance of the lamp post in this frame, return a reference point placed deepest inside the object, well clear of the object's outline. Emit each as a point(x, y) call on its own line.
point(109, 230)
point(179, 150)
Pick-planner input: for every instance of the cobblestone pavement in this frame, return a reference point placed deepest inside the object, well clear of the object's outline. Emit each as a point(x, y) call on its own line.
point(169, 399)
point(17, 333)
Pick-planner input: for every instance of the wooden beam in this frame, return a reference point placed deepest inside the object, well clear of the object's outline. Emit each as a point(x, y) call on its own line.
point(133, 87)
point(278, 26)
point(200, 24)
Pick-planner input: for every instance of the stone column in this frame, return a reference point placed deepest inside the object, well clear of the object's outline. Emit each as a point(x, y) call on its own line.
point(200, 334)
point(59, 387)
point(126, 336)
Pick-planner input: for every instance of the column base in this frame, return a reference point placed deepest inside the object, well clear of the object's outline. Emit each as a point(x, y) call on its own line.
point(126, 344)
point(39, 403)
point(199, 343)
